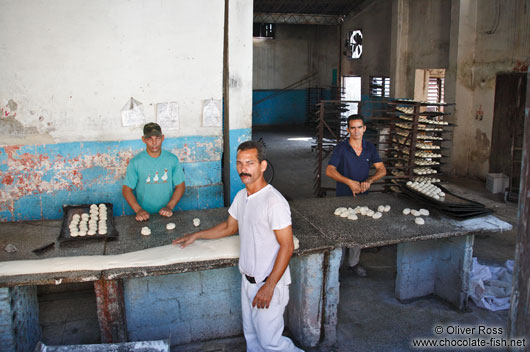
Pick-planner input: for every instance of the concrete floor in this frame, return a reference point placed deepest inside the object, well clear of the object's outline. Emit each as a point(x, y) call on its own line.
point(369, 316)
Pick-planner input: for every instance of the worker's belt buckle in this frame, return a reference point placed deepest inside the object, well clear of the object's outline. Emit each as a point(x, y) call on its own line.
point(252, 280)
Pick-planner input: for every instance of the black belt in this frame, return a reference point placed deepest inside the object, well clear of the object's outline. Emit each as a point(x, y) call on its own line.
point(252, 280)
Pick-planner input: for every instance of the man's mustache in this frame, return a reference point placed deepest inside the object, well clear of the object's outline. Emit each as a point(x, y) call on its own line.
point(244, 174)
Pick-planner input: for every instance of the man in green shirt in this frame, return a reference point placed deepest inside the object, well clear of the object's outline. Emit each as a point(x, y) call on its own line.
point(154, 182)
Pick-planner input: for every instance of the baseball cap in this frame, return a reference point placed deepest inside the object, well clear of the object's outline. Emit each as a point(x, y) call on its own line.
point(152, 129)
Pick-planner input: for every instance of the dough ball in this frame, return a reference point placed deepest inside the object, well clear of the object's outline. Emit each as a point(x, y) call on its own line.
point(424, 212)
point(406, 211)
point(415, 212)
point(170, 226)
point(370, 212)
point(344, 214)
point(377, 215)
point(340, 210)
point(146, 231)
point(196, 222)
point(419, 221)
point(387, 208)
point(353, 217)
point(381, 208)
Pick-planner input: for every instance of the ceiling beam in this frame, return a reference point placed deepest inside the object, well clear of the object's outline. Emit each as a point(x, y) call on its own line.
point(297, 18)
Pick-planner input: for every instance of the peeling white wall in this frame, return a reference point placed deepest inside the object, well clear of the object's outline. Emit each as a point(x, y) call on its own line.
point(496, 42)
point(70, 66)
point(240, 63)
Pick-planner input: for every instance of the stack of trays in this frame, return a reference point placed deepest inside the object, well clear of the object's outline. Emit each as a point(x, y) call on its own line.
point(452, 205)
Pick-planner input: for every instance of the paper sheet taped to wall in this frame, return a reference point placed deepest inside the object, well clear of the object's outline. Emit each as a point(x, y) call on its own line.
point(132, 113)
point(167, 115)
point(211, 113)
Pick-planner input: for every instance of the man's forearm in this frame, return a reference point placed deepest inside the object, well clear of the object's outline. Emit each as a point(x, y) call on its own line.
point(220, 230)
point(335, 175)
point(177, 194)
point(131, 199)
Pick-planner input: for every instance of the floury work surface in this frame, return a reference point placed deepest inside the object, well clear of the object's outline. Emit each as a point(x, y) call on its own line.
point(370, 318)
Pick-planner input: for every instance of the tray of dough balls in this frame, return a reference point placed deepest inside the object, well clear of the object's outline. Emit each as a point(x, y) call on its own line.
point(88, 221)
point(441, 199)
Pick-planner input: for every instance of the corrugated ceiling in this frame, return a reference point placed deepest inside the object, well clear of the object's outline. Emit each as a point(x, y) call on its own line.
point(321, 7)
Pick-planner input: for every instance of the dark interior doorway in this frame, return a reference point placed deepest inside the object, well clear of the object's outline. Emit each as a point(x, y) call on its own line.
point(507, 132)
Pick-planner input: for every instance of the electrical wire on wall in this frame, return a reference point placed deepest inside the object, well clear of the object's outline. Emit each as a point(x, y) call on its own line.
point(497, 18)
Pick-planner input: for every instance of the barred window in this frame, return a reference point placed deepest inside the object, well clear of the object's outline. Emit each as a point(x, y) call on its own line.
point(379, 86)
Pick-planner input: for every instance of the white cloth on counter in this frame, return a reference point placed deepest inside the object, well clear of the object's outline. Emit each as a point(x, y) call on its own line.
point(490, 287)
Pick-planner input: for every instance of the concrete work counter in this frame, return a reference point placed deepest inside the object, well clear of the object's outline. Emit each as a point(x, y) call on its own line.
point(434, 258)
point(27, 236)
point(392, 228)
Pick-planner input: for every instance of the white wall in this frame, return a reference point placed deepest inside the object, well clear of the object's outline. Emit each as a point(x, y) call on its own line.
point(376, 22)
point(480, 54)
point(240, 63)
point(296, 51)
point(70, 66)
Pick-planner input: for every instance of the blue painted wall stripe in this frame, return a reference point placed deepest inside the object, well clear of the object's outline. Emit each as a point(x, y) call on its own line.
point(236, 138)
point(36, 180)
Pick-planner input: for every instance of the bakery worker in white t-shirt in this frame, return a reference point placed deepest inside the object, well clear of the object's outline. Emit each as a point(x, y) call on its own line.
point(263, 218)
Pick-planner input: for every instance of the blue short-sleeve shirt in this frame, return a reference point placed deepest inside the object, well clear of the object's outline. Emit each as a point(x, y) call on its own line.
point(350, 165)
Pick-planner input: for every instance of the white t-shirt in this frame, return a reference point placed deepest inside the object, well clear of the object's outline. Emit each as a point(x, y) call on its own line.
point(257, 216)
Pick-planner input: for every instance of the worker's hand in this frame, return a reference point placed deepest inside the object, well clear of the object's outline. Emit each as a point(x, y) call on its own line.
point(185, 240)
point(142, 215)
point(264, 296)
point(355, 187)
point(165, 211)
point(365, 186)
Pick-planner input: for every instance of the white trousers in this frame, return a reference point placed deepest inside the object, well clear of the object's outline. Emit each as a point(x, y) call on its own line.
point(263, 328)
point(353, 253)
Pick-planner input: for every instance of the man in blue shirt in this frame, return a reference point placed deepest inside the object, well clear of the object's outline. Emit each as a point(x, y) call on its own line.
point(349, 165)
point(155, 175)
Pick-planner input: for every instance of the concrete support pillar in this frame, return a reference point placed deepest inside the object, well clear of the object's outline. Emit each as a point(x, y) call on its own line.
point(459, 80)
point(331, 298)
point(399, 50)
point(304, 318)
point(237, 88)
point(111, 310)
point(19, 318)
point(314, 297)
point(441, 267)
point(519, 319)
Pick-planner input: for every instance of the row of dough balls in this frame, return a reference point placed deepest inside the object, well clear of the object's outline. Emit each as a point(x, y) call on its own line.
point(351, 213)
point(85, 224)
point(427, 189)
point(146, 231)
point(424, 171)
point(417, 213)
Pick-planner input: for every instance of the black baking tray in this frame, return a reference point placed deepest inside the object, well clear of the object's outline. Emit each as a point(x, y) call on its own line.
point(454, 206)
point(70, 210)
